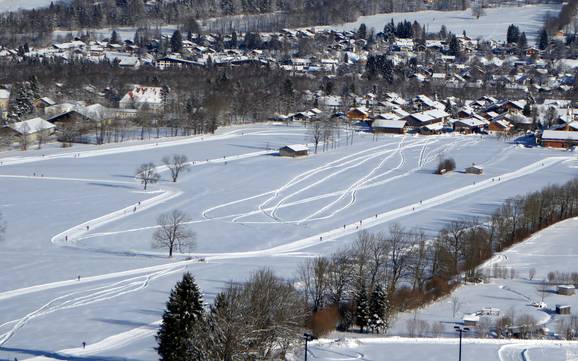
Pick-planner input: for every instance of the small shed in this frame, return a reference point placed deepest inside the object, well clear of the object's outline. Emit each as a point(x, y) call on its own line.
point(566, 290)
point(294, 150)
point(563, 309)
point(475, 169)
point(471, 320)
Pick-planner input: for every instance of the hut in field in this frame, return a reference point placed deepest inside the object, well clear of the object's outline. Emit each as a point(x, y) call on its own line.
point(294, 150)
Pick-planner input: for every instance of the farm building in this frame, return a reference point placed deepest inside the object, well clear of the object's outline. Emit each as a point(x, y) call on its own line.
point(295, 150)
point(388, 126)
point(563, 309)
point(566, 290)
point(475, 169)
point(559, 139)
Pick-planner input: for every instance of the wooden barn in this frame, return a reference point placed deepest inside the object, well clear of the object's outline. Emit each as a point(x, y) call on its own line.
point(388, 126)
point(559, 139)
point(294, 150)
point(566, 290)
point(500, 126)
point(475, 169)
point(357, 114)
point(563, 309)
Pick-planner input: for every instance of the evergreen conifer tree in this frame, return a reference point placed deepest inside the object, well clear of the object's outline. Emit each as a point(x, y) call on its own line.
point(177, 42)
point(362, 308)
point(362, 31)
point(114, 38)
point(522, 42)
point(543, 40)
point(454, 46)
point(180, 321)
point(513, 34)
point(378, 310)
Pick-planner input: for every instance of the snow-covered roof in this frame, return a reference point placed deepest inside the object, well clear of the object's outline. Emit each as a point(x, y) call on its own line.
point(471, 122)
point(31, 126)
point(297, 147)
point(471, 317)
point(388, 116)
point(386, 123)
point(4, 94)
point(559, 135)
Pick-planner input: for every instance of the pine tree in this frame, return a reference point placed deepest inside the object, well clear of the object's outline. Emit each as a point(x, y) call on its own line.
point(362, 31)
point(454, 46)
point(378, 310)
point(522, 42)
point(513, 34)
point(543, 40)
point(114, 38)
point(177, 42)
point(179, 325)
point(362, 308)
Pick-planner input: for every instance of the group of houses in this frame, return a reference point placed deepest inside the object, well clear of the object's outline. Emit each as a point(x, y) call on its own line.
point(495, 64)
point(51, 117)
point(394, 114)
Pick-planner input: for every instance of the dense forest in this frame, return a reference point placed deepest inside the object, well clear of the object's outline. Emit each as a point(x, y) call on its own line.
point(268, 14)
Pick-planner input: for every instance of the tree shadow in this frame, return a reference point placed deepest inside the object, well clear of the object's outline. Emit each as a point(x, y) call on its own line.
point(123, 322)
point(57, 356)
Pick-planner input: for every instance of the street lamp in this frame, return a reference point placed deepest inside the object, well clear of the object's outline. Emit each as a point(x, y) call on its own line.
point(308, 338)
point(461, 330)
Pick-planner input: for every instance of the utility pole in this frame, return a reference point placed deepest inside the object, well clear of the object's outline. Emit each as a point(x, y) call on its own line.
point(308, 338)
point(461, 330)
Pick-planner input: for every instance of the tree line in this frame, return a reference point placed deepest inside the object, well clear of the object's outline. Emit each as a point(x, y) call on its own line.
point(82, 14)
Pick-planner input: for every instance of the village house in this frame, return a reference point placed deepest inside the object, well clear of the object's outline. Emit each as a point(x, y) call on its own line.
point(500, 126)
point(427, 117)
point(143, 97)
point(29, 131)
point(469, 125)
point(358, 114)
point(4, 101)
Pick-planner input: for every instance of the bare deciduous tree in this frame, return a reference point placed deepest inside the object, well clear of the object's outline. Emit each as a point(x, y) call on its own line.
point(531, 273)
point(316, 133)
point(314, 274)
point(456, 306)
point(2, 228)
point(173, 232)
point(147, 174)
point(176, 164)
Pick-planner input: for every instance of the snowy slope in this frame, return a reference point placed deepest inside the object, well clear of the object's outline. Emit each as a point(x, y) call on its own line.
point(251, 209)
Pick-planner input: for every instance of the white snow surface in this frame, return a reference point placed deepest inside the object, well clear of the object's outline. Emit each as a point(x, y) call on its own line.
point(250, 209)
point(492, 26)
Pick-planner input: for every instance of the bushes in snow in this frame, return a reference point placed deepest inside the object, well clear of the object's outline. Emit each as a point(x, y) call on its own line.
point(446, 165)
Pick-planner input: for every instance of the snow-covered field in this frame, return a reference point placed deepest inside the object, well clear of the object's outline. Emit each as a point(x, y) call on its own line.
point(493, 25)
point(250, 209)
